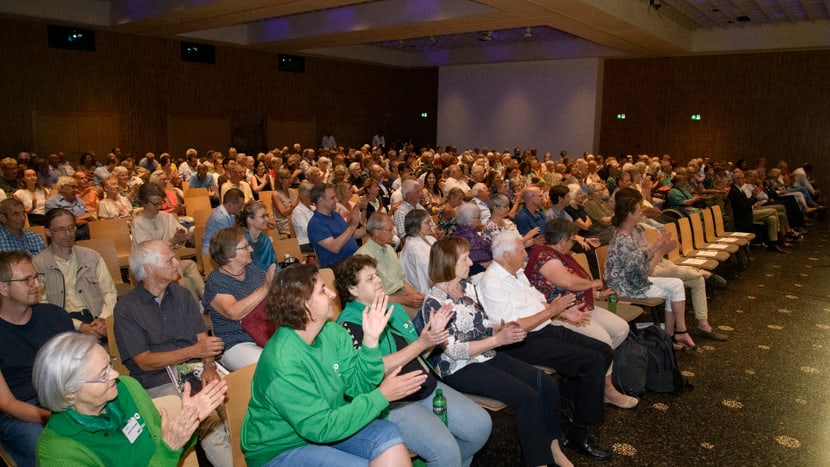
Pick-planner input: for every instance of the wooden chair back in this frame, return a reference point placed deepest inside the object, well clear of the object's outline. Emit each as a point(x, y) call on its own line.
point(717, 217)
point(685, 228)
point(208, 263)
point(196, 192)
point(582, 259)
point(265, 198)
point(236, 405)
point(196, 203)
point(602, 253)
point(671, 228)
point(198, 233)
point(698, 237)
point(119, 232)
point(283, 246)
point(327, 274)
point(201, 217)
point(112, 346)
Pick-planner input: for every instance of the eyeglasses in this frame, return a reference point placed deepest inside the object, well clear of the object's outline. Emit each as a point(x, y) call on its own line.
point(243, 247)
point(66, 229)
point(29, 280)
point(103, 379)
point(156, 204)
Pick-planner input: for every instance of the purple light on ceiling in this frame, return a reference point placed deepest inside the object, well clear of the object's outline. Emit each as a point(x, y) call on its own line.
point(498, 53)
point(276, 29)
point(341, 19)
point(421, 8)
point(437, 57)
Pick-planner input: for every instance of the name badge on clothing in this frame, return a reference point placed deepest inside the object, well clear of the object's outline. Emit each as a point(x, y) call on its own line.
point(133, 429)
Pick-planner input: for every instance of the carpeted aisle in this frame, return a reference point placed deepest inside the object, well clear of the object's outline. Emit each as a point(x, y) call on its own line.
point(760, 398)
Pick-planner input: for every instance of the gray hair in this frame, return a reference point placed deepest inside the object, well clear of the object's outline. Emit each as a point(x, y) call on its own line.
point(408, 186)
point(498, 199)
point(313, 171)
point(478, 188)
point(147, 252)
point(154, 177)
point(593, 188)
point(59, 368)
point(324, 160)
point(466, 213)
point(412, 222)
point(377, 221)
point(505, 242)
point(119, 170)
point(559, 229)
point(305, 188)
point(62, 181)
point(354, 165)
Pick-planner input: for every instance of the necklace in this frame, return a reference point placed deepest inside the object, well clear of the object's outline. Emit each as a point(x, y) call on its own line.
point(225, 270)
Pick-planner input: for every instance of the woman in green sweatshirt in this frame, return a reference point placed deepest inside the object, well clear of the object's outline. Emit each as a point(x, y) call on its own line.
point(315, 399)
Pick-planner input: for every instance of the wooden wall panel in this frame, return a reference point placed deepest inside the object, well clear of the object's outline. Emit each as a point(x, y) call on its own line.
point(74, 133)
point(201, 133)
point(773, 105)
point(143, 80)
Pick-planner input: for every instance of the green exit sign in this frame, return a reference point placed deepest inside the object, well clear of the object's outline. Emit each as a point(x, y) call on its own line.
point(695, 116)
point(620, 116)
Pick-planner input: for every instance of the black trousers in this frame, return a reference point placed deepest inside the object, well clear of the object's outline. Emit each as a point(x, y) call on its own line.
point(580, 360)
point(533, 394)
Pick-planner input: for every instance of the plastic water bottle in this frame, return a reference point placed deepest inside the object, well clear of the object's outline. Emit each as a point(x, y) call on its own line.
point(612, 303)
point(439, 405)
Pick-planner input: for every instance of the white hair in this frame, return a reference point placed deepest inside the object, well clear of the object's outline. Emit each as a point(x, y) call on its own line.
point(467, 212)
point(504, 242)
point(478, 188)
point(59, 368)
point(408, 186)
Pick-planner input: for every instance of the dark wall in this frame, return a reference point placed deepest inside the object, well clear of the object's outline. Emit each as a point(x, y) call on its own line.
point(143, 80)
point(775, 105)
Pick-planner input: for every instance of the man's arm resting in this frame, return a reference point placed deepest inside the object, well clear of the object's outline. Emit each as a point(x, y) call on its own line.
point(18, 409)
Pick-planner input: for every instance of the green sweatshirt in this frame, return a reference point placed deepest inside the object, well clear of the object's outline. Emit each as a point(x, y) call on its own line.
point(320, 393)
point(72, 439)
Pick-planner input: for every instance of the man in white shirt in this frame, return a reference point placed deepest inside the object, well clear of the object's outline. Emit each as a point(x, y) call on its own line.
point(454, 180)
point(507, 296)
point(480, 197)
point(301, 215)
point(235, 180)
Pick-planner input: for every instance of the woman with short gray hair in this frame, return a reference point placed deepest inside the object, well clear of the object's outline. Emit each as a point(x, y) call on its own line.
point(100, 418)
point(468, 216)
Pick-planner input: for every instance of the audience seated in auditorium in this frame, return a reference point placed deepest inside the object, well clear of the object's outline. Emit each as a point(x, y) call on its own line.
point(331, 236)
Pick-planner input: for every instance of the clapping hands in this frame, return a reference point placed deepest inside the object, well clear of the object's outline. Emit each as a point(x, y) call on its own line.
point(375, 317)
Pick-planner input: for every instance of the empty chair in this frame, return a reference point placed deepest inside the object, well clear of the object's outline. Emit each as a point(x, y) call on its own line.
point(119, 232)
point(106, 248)
point(238, 396)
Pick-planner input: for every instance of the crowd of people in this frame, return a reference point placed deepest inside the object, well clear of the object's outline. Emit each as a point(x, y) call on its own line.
point(455, 271)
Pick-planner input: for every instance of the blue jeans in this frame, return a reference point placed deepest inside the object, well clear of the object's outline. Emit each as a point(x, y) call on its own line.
point(426, 435)
point(19, 438)
point(355, 451)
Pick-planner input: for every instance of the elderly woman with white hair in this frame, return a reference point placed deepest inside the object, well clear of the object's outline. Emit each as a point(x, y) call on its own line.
point(101, 418)
point(469, 223)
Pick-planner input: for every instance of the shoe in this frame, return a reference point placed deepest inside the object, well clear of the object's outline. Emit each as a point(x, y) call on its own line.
point(714, 335)
point(777, 248)
point(630, 402)
point(715, 280)
point(680, 346)
point(586, 448)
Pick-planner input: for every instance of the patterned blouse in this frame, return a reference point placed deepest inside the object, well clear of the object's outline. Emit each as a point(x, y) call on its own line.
point(470, 323)
point(491, 229)
point(551, 291)
point(627, 264)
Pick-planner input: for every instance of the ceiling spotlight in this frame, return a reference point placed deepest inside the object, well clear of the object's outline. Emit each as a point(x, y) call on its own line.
point(528, 33)
point(486, 36)
point(656, 4)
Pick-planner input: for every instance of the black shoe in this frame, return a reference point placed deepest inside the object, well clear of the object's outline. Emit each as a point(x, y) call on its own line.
point(587, 449)
point(715, 280)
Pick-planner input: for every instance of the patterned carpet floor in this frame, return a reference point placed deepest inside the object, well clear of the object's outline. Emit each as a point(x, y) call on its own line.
point(759, 399)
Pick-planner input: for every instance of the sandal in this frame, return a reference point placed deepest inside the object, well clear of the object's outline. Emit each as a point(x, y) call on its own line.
point(682, 346)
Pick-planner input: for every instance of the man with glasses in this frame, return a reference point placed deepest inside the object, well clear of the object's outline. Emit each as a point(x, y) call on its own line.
point(25, 326)
point(158, 324)
point(67, 198)
point(13, 237)
point(75, 278)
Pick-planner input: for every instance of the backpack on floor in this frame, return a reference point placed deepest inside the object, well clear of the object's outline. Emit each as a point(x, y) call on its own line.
point(663, 374)
point(630, 366)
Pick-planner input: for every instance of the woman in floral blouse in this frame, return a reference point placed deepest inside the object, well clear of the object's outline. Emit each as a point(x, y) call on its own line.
point(469, 362)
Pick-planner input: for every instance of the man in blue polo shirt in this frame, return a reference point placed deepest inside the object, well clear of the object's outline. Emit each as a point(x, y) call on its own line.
point(331, 236)
point(531, 216)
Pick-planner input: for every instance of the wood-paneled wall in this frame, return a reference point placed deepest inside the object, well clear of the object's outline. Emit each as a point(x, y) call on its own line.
point(145, 83)
point(773, 105)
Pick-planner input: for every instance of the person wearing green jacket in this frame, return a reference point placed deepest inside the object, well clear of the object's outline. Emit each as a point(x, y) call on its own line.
point(468, 425)
point(101, 419)
point(315, 399)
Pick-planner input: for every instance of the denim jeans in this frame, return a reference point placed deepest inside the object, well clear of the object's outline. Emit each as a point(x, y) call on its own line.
point(355, 451)
point(426, 435)
point(19, 438)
